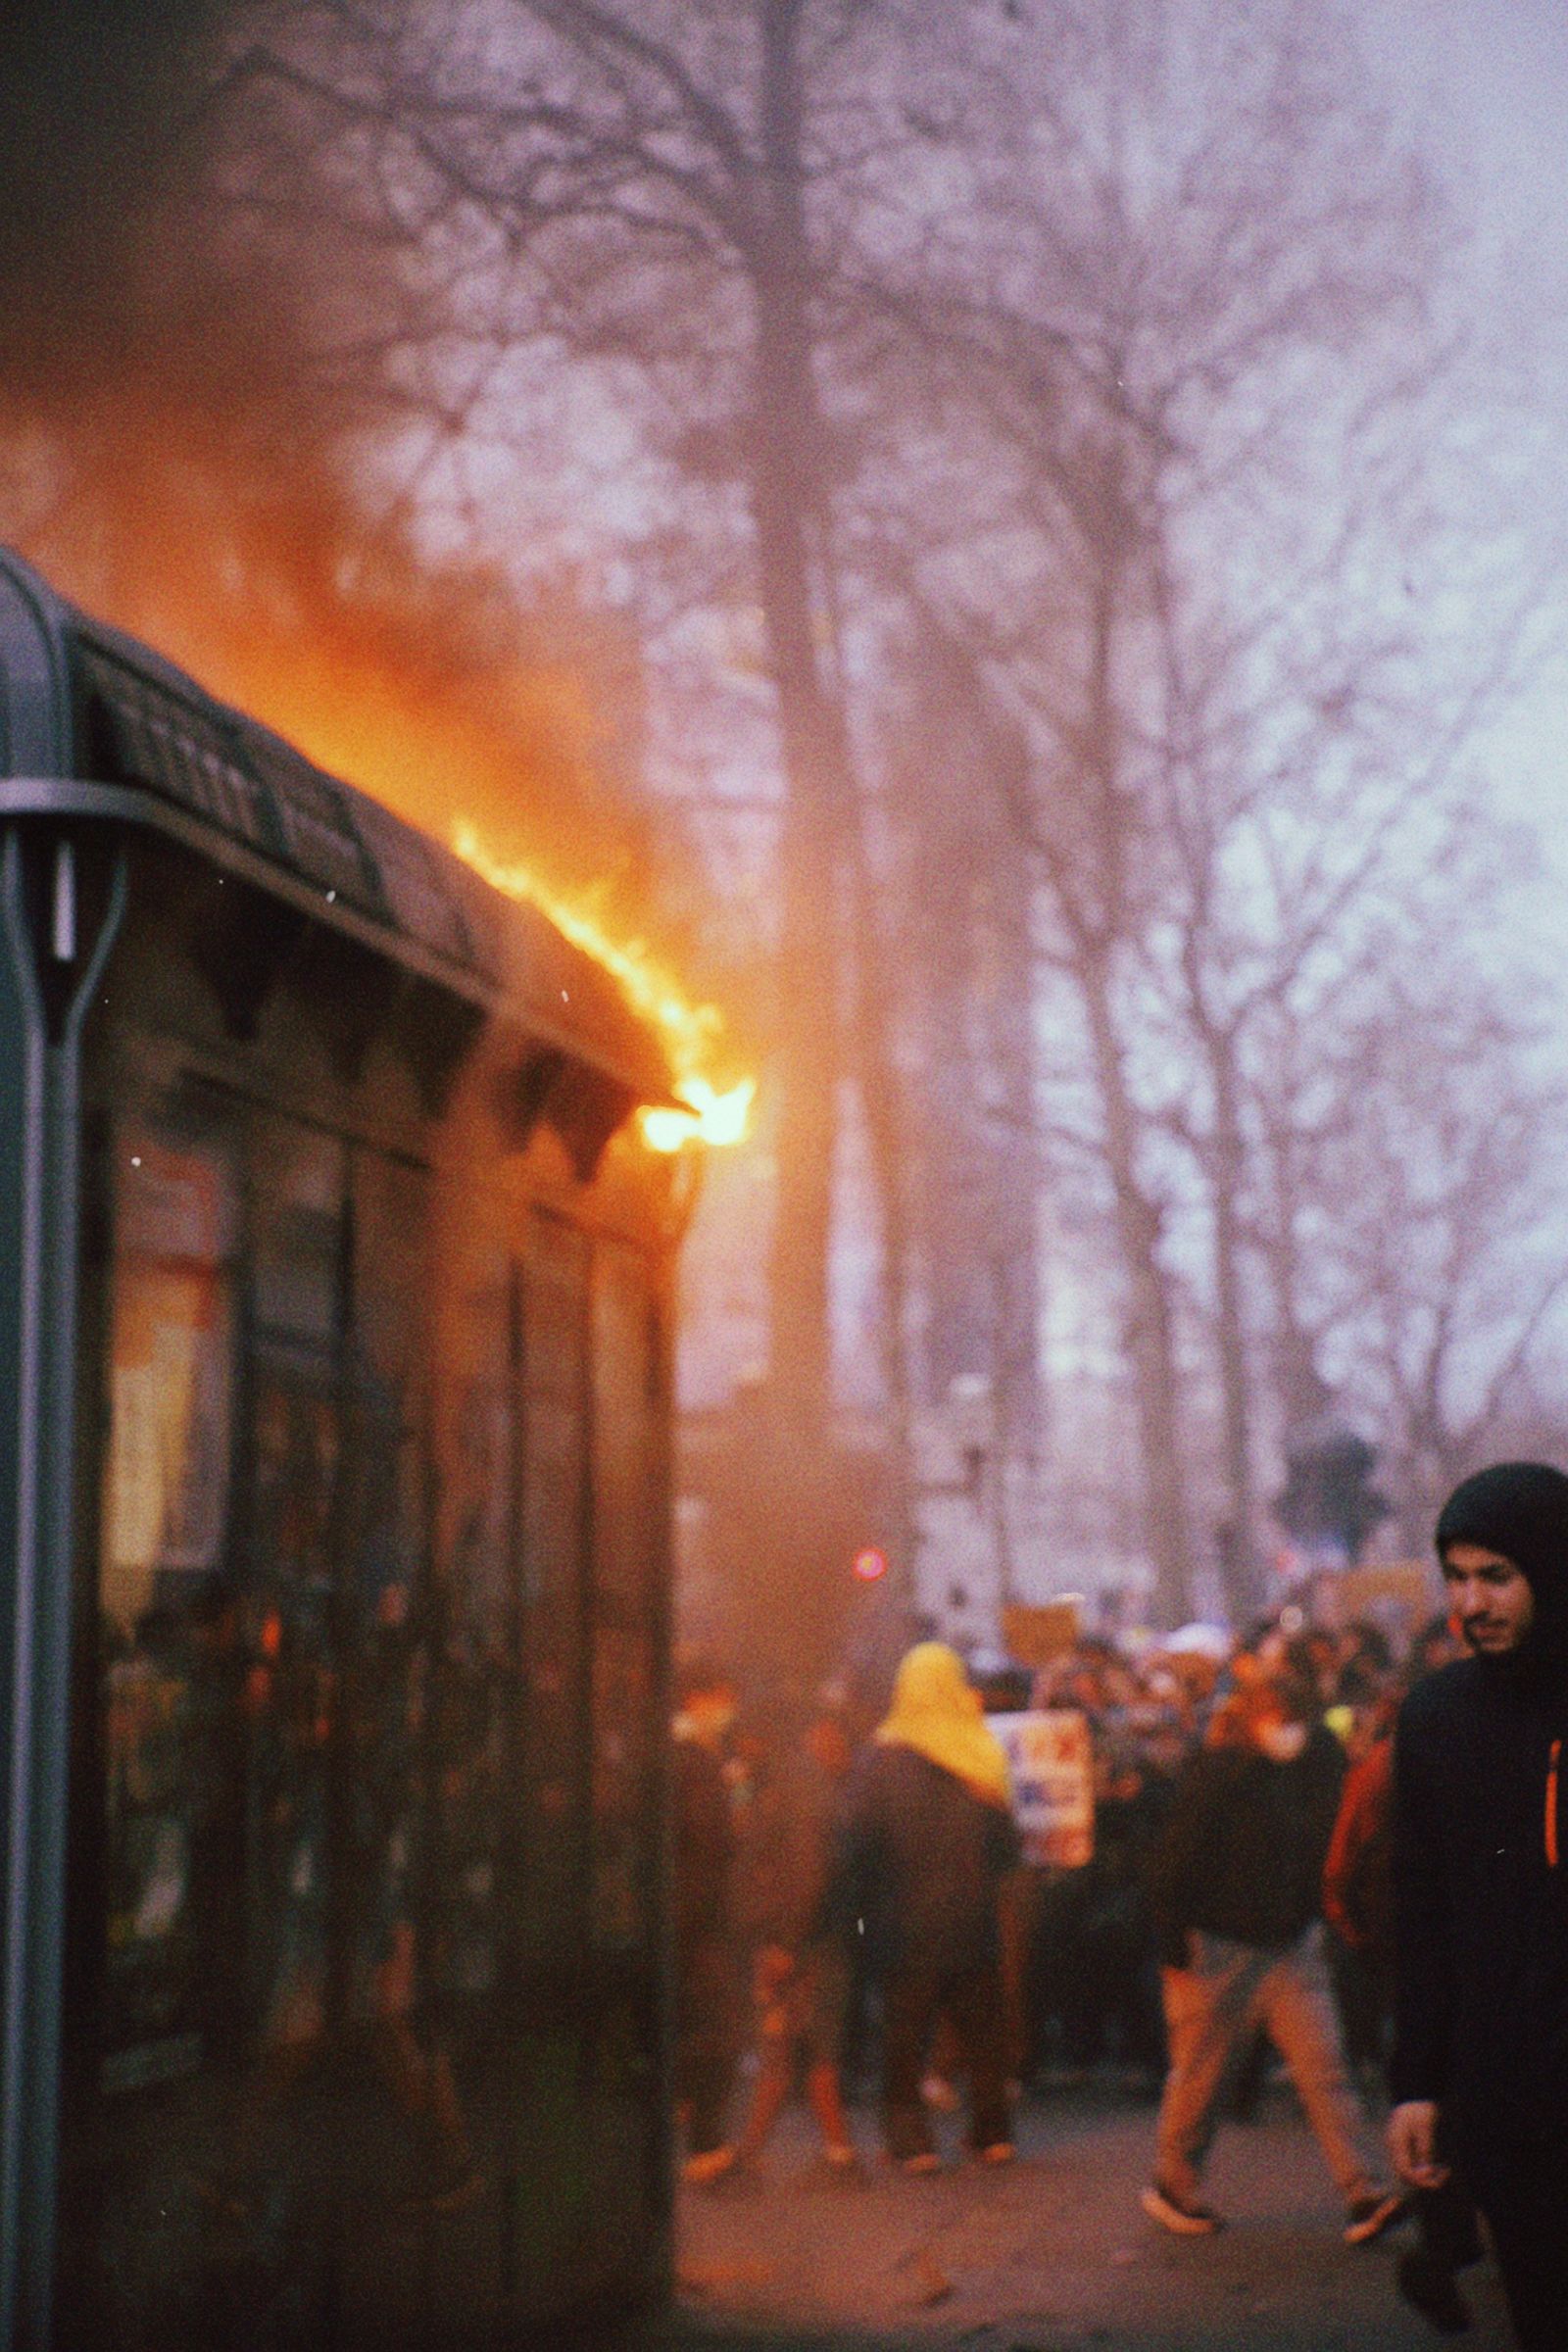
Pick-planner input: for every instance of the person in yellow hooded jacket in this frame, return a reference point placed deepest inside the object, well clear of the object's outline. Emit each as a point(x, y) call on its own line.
point(929, 1836)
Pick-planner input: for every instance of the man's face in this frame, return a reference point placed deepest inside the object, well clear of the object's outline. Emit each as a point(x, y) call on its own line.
point(1489, 1599)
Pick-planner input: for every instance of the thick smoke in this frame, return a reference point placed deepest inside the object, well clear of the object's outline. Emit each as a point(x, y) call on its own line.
point(100, 120)
point(204, 382)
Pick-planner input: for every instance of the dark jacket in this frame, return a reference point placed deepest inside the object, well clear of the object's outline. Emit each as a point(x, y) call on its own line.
point(922, 1859)
point(1242, 1852)
point(1482, 1912)
point(705, 1845)
point(785, 1857)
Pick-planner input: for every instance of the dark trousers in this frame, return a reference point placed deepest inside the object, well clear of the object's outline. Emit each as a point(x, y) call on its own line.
point(1529, 2220)
point(1447, 2219)
point(913, 1997)
point(706, 2039)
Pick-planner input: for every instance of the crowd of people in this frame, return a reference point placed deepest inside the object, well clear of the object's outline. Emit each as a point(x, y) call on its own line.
point(857, 1908)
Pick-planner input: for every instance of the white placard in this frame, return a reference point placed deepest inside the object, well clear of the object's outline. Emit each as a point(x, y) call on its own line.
point(1052, 1767)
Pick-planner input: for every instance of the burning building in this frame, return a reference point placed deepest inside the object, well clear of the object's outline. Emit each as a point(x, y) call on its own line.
point(334, 1462)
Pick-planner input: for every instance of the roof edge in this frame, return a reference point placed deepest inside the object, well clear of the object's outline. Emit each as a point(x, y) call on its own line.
point(78, 799)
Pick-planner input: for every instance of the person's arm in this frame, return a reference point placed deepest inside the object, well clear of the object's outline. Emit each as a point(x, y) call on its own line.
point(1363, 1802)
point(1175, 1861)
point(1418, 2072)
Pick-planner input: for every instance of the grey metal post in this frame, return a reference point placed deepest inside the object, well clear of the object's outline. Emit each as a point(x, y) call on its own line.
point(35, 1598)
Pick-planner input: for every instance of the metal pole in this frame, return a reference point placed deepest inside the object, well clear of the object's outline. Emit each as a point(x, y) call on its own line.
point(53, 989)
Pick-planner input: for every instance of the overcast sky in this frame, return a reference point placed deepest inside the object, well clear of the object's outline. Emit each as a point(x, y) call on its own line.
point(1487, 81)
point(1492, 78)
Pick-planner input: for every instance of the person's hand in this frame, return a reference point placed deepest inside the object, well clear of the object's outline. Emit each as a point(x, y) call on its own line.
point(1413, 2144)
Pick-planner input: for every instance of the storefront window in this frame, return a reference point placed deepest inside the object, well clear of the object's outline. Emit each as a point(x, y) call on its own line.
point(477, 1714)
point(165, 1636)
point(628, 1552)
point(555, 1576)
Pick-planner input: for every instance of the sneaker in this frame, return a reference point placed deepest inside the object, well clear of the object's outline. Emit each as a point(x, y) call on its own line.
point(1184, 2217)
point(1430, 2288)
point(1370, 2215)
point(840, 2155)
point(700, 2171)
point(995, 2151)
point(927, 2161)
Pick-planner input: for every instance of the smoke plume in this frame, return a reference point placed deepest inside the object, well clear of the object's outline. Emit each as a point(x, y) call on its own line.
point(204, 381)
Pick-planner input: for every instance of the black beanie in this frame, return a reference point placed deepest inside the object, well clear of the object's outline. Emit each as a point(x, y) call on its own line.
point(1520, 1509)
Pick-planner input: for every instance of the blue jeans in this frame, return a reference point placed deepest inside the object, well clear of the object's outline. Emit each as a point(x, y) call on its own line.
point(1212, 2010)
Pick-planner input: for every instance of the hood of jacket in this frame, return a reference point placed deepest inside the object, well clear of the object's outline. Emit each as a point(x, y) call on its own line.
point(1520, 1509)
point(936, 1710)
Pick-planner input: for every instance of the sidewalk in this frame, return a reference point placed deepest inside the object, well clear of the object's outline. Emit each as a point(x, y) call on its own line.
point(1050, 2253)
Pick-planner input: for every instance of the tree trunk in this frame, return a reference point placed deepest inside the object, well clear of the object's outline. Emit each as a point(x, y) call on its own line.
point(1302, 1392)
point(1151, 1325)
point(882, 1098)
point(1226, 1175)
point(784, 480)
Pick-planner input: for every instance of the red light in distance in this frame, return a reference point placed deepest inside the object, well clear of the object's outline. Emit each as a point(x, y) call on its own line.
point(871, 1564)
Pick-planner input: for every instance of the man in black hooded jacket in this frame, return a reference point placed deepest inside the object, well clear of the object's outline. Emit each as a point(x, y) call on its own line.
point(1480, 2072)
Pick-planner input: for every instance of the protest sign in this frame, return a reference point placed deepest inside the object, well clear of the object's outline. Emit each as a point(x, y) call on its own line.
point(1052, 1768)
point(1037, 1635)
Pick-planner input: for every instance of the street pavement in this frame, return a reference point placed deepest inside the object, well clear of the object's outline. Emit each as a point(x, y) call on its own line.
point(1051, 2254)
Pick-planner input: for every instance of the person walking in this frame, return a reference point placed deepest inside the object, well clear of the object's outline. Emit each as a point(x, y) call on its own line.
point(1237, 1890)
point(795, 1912)
point(1479, 2068)
point(706, 2033)
point(929, 1836)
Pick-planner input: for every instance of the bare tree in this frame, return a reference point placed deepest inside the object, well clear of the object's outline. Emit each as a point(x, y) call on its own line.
point(659, 189)
point(1212, 424)
point(1110, 338)
point(1438, 1264)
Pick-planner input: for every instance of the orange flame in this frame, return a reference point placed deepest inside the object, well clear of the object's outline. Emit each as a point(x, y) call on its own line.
point(689, 1031)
